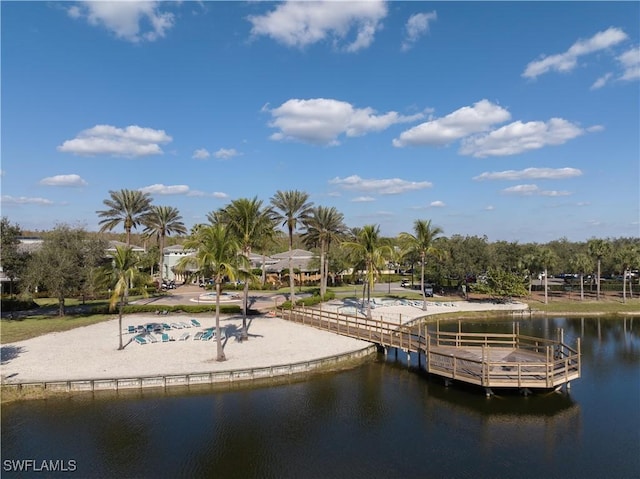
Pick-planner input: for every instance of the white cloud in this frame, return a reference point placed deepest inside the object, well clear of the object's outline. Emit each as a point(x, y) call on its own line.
point(320, 121)
point(630, 61)
point(567, 61)
point(490, 208)
point(298, 24)
point(201, 154)
point(602, 81)
point(363, 199)
point(63, 180)
point(519, 137)
point(391, 186)
point(595, 128)
point(132, 141)
point(530, 174)
point(462, 122)
point(131, 20)
point(25, 200)
point(530, 190)
point(160, 189)
point(416, 26)
point(226, 154)
point(166, 190)
point(437, 204)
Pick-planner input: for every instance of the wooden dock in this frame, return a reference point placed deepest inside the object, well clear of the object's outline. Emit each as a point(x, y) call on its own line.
point(488, 360)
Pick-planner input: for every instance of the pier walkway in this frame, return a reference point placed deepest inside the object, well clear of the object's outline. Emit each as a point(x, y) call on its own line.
point(487, 360)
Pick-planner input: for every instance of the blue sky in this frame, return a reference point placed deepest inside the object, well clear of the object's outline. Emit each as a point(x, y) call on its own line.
point(518, 121)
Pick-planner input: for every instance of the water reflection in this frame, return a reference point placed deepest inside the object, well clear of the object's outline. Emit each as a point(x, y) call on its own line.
point(383, 419)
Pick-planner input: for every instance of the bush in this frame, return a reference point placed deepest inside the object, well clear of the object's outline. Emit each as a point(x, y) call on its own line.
point(149, 308)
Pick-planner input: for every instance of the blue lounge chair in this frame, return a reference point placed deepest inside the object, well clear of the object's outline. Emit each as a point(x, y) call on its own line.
point(140, 340)
point(165, 338)
point(166, 327)
point(131, 329)
point(195, 322)
point(207, 335)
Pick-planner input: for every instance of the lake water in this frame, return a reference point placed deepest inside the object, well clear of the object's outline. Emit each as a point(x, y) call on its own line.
point(383, 419)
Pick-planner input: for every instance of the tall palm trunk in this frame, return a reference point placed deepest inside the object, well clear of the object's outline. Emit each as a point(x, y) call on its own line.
point(581, 287)
point(220, 355)
point(162, 238)
point(546, 288)
point(323, 282)
point(598, 282)
point(624, 285)
point(245, 306)
point(292, 285)
point(120, 307)
point(424, 296)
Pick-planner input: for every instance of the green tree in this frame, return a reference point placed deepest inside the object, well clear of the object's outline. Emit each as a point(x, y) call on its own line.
point(128, 207)
point(422, 242)
point(218, 256)
point(294, 208)
point(64, 264)
point(598, 248)
point(324, 226)
point(13, 262)
point(581, 264)
point(547, 259)
point(122, 273)
point(250, 224)
point(502, 283)
point(161, 221)
point(369, 253)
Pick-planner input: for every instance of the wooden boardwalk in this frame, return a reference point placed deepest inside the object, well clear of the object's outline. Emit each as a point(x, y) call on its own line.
point(488, 360)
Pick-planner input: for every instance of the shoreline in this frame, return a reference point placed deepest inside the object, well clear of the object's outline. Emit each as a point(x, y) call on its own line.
point(274, 349)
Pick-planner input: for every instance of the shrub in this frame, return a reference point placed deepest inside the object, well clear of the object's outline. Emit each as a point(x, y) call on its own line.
point(17, 305)
point(149, 308)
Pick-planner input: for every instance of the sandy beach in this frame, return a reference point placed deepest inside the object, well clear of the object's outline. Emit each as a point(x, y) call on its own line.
point(91, 352)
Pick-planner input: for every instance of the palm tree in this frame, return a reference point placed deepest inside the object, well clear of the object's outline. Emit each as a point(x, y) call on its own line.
point(121, 274)
point(294, 208)
point(547, 259)
point(218, 256)
point(627, 257)
point(370, 253)
point(598, 248)
point(422, 243)
point(250, 224)
point(527, 264)
point(324, 226)
point(581, 264)
point(161, 221)
point(128, 207)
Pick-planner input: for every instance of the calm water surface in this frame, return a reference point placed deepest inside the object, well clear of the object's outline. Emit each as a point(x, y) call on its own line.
point(381, 420)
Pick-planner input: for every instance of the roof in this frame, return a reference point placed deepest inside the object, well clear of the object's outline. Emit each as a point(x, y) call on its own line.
point(296, 253)
point(113, 244)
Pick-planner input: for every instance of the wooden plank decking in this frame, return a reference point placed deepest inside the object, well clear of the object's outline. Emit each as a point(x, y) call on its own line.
point(485, 359)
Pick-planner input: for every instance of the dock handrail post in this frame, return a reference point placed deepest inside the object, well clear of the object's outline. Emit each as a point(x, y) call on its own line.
point(484, 367)
point(548, 372)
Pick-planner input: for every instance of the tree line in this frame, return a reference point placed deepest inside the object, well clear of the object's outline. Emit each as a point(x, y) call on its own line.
point(70, 257)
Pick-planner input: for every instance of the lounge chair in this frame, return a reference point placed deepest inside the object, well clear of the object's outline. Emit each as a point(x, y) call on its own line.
point(165, 338)
point(140, 340)
point(198, 335)
point(152, 338)
point(207, 335)
point(140, 329)
point(176, 326)
point(195, 322)
point(184, 337)
point(185, 325)
point(131, 329)
point(166, 326)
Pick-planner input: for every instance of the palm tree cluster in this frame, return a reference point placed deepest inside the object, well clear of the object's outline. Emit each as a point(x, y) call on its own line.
point(235, 232)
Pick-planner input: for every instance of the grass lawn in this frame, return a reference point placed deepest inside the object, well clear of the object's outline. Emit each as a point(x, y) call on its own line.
point(32, 326)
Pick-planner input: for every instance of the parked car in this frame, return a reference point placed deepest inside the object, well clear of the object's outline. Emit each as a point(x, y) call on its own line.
point(404, 283)
point(428, 290)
